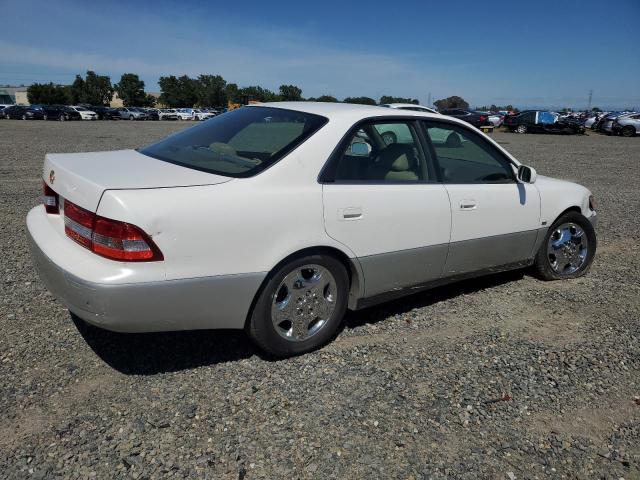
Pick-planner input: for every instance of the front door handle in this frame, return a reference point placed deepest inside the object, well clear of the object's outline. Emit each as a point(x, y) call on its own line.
point(468, 205)
point(350, 213)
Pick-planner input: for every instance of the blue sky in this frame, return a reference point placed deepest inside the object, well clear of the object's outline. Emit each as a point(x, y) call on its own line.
point(542, 53)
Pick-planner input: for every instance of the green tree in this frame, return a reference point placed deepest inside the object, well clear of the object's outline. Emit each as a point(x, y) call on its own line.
point(290, 93)
point(389, 99)
point(47, 94)
point(170, 91)
point(326, 98)
point(211, 91)
point(451, 102)
point(596, 109)
point(77, 90)
point(258, 94)
point(131, 90)
point(232, 92)
point(97, 89)
point(360, 100)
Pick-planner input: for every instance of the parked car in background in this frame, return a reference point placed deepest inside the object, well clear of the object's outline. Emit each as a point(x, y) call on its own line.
point(496, 119)
point(106, 113)
point(61, 113)
point(477, 119)
point(152, 113)
point(541, 121)
point(185, 113)
point(167, 114)
point(591, 121)
point(410, 106)
point(22, 112)
point(366, 221)
point(627, 125)
point(85, 113)
point(131, 113)
point(199, 114)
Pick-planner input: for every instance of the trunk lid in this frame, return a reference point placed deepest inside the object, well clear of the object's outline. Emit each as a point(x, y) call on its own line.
point(82, 178)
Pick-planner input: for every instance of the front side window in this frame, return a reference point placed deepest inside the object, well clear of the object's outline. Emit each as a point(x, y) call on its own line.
point(240, 143)
point(384, 152)
point(464, 156)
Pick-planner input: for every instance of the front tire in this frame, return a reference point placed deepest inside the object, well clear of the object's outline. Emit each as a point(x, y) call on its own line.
point(301, 306)
point(568, 248)
point(521, 129)
point(628, 131)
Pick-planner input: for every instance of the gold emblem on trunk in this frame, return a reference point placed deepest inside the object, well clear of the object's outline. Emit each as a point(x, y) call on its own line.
point(52, 177)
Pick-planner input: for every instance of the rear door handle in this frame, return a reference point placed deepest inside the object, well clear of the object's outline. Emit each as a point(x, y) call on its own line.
point(350, 213)
point(468, 205)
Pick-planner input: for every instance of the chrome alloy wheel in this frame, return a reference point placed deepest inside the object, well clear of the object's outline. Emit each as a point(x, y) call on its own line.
point(567, 249)
point(303, 302)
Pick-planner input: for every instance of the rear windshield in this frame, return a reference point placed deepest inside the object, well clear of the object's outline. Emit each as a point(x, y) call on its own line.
point(240, 143)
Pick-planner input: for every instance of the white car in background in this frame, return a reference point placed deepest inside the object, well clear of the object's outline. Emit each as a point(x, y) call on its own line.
point(167, 114)
point(202, 114)
point(410, 106)
point(185, 113)
point(276, 218)
point(85, 114)
point(496, 119)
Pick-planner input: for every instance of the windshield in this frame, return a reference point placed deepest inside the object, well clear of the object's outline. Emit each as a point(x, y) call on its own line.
point(240, 143)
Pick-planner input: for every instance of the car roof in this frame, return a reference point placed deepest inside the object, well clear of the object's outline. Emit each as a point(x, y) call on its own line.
point(346, 110)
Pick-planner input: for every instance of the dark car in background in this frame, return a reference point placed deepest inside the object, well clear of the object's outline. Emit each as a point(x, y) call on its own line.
point(105, 113)
point(477, 119)
point(21, 112)
point(541, 121)
point(152, 113)
point(60, 112)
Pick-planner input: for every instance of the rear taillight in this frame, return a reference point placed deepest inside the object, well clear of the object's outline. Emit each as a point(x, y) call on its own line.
point(109, 238)
point(50, 199)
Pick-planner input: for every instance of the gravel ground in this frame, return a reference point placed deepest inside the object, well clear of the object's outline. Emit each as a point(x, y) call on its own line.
point(502, 377)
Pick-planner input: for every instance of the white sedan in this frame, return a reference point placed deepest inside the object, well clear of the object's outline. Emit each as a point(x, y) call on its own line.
point(277, 218)
point(85, 114)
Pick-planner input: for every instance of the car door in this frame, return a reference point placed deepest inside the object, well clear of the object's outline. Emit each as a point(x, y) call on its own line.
point(495, 219)
point(383, 202)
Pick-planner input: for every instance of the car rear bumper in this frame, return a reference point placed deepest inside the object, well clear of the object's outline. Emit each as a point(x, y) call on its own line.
point(166, 305)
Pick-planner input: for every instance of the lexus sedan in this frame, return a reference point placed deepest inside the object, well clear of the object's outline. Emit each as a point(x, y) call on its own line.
point(277, 218)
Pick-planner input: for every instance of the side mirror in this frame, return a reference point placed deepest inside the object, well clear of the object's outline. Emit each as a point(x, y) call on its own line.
point(527, 174)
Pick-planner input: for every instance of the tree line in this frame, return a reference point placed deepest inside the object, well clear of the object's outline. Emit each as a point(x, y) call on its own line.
point(184, 91)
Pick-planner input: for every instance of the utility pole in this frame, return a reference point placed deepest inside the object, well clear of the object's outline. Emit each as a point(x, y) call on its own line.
point(590, 97)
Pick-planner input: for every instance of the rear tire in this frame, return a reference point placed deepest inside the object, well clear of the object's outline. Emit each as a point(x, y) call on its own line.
point(568, 248)
point(628, 131)
point(24, 117)
point(130, 117)
point(300, 307)
point(521, 129)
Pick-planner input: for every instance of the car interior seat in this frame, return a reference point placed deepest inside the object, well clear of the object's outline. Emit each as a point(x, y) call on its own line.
point(396, 162)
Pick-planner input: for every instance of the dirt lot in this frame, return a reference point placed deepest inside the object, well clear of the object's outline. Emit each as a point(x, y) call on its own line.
point(503, 377)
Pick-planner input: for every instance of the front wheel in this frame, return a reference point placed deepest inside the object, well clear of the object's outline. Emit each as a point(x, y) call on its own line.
point(24, 117)
point(521, 129)
point(628, 131)
point(568, 248)
point(301, 306)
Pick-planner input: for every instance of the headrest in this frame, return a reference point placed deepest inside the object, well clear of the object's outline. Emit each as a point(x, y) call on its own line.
point(397, 157)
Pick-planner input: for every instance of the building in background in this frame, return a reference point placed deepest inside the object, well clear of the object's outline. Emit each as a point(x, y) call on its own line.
point(12, 94)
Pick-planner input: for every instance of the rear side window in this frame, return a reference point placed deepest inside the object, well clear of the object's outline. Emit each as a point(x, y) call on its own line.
point(240, 143)
point(465, 157)
point(382, 152)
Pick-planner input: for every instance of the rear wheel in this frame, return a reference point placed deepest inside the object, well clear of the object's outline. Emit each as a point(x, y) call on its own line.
point(61, 117)
point(628, 131)
point(301, 306)
point(130, 117)
point(521, 129)
point(568, 248)
point(24, 117)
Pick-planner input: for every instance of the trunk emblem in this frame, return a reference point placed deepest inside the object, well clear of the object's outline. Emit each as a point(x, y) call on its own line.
point(52, 177)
